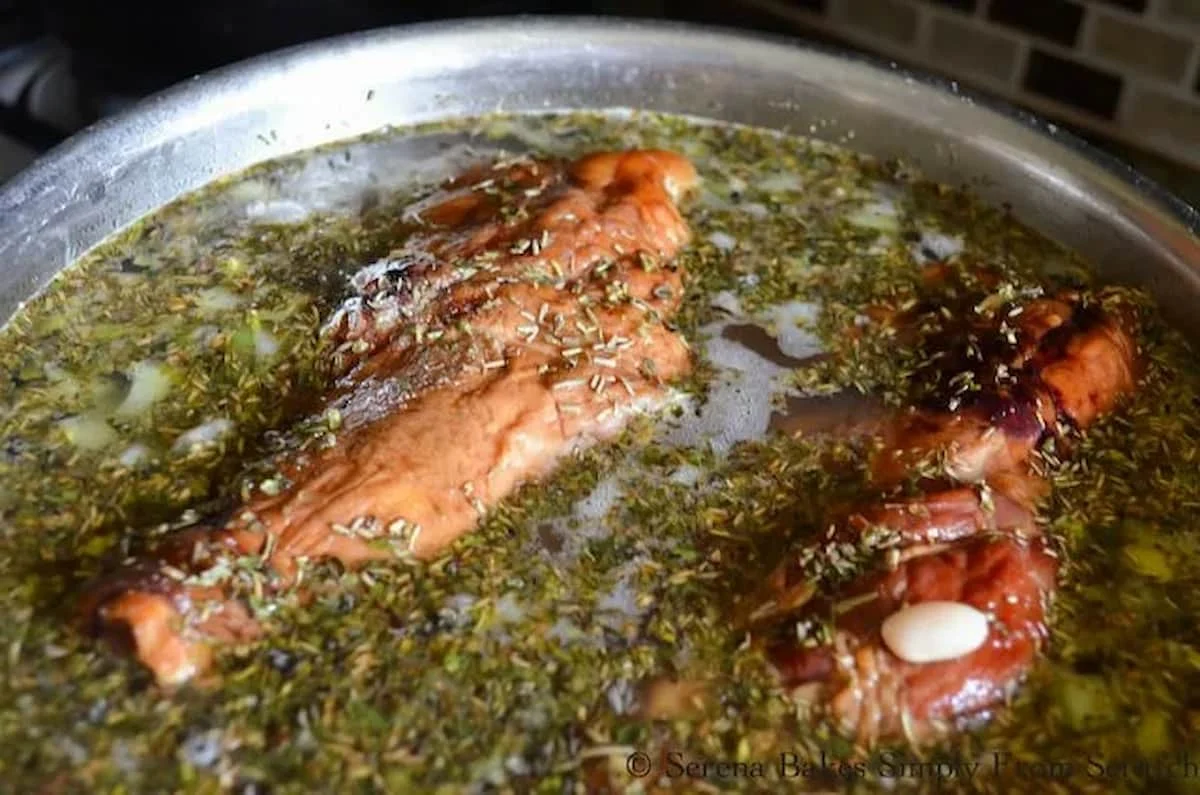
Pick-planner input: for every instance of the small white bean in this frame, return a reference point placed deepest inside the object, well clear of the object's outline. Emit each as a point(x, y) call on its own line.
point(934, 631)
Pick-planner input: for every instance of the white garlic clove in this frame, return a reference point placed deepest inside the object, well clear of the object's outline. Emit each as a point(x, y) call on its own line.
point(934, 631)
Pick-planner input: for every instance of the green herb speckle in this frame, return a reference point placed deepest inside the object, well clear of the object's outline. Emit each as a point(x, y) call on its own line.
point(518, 661)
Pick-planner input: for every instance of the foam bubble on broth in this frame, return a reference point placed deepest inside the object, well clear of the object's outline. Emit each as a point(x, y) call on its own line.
point(936, 246)
point(791, 323)
point(747, 387)
point(599, 501)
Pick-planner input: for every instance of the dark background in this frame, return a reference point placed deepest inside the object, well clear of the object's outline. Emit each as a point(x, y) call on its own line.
point(67, 63)
point(108, 54)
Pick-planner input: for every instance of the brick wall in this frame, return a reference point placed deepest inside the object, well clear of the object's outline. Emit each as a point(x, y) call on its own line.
point(1126, 69)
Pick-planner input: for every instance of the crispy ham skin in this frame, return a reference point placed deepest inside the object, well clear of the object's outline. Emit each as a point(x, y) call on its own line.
point(960, 527)
point(525, 320)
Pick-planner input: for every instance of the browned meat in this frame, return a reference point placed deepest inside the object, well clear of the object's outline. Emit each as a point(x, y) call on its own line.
point(875, 695)
point(526, 320)
point(896, 529)
point(970, 536)
point(999, 383)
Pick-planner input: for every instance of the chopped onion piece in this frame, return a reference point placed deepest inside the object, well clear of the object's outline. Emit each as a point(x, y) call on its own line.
point(88, 432)
point(723, 241)
point(209, 433)
point(149, 382)
point(879, 215)
point(133, 455)
point(217, 299)
point(265, 345)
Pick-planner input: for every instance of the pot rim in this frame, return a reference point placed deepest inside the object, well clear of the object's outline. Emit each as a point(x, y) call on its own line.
point(77, 195)
point(176, 100)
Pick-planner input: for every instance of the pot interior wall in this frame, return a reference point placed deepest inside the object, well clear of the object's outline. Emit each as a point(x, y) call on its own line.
point(109, 176)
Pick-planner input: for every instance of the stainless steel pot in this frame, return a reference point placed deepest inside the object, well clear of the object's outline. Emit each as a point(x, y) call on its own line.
point(123, 168)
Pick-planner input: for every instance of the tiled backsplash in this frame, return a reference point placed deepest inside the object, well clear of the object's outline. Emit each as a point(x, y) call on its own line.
point(1126, 69)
